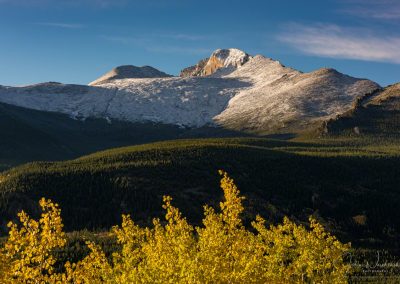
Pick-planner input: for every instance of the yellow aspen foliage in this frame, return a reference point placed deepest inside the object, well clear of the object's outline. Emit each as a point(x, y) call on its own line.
point(162, 254)
point(293, 254)
point(92, 269)
point(29, 246)
point(222, 250)
point(5, 269)
point(225, 247)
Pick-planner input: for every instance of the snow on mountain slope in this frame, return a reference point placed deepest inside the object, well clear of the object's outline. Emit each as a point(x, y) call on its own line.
point(76, 100)
point(183, 101)
point(128, 72)
point(282, 99)
point(255, 94)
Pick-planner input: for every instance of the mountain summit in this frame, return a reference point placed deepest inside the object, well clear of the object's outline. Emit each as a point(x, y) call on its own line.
point(129, 71)
point(220, 58)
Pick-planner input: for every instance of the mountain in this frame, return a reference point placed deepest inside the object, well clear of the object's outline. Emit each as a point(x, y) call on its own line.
point(282, 99)
point(231, 89)
point(221, 58)
point(129, 72)
point(377, 114)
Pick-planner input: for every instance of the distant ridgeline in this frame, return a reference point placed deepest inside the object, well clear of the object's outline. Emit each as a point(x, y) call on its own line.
point(376, 114)
point(230, 89)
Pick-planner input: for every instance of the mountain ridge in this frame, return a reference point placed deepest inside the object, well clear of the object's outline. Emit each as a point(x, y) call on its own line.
point(232, 89)
point(376, 114)
point(129, 72)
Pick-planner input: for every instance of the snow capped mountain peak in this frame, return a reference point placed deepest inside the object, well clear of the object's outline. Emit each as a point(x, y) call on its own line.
point(128, 72)
point(220, 58)
point(230, 57)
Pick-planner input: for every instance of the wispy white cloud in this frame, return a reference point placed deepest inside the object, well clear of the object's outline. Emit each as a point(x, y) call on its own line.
point(338, 42)
point(386, 10)
point(61, 25)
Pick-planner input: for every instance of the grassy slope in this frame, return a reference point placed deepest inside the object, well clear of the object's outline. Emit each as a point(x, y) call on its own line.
point(335, 180)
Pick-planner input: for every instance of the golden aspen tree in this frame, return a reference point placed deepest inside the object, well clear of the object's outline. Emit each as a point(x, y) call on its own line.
point(29, 246)
point(222, 250)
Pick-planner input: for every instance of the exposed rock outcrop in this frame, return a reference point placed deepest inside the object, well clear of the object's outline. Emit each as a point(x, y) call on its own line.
point(219, 59)
point(196, 70)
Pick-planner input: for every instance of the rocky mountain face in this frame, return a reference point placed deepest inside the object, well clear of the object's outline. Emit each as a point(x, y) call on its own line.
point(230, 89)
point(195, 70)
point(128, 72)
point(377, 113)
point(221, 58)
point(388, 98)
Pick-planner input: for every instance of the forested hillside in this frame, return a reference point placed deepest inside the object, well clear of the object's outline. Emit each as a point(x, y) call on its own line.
point(350, 185)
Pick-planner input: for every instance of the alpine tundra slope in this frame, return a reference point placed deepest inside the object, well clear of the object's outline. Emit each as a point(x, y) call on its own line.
point(230, 89)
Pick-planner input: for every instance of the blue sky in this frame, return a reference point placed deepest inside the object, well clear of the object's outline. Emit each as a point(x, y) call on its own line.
point(76, 41)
